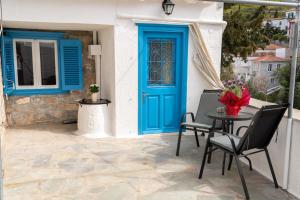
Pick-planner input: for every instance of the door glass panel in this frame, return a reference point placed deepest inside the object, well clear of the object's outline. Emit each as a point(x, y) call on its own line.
point(24, 63)
point(47, 55)
point(161, 62)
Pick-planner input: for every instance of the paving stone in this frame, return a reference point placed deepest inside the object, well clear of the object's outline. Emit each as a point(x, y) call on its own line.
point(49, 162)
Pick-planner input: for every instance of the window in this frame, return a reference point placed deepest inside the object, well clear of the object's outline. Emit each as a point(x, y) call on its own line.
point(161, 62)
point(278, 66)
point(36, 64)
point(269, 67)
point(272, 80)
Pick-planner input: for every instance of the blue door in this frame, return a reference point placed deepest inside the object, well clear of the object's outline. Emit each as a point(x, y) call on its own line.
point(162, 77)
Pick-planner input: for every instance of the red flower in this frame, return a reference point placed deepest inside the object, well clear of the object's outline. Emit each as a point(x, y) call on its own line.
point(234, 103)
point(244, 101)
point(229, 98)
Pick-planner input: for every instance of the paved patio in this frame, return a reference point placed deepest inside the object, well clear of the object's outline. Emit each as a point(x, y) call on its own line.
point(48, 162)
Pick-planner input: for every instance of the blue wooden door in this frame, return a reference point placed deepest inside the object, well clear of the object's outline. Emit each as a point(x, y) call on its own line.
point(161, 81)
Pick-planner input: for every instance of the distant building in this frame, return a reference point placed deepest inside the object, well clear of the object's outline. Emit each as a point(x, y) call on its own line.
point(282, 23)
point(261, 66)
point(291, 14)
point(263, 71)
point(272, 49)
point(242, 69)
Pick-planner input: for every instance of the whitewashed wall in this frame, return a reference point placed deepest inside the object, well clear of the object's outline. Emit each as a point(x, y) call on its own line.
point(118, 35)
point(90, 14)
point(126, 77)
point(277, 150)
point(126, 68)
point(108, 72)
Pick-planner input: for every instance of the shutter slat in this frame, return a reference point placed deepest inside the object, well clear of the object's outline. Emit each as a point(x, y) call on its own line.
point(8, 72)
point(71, 64)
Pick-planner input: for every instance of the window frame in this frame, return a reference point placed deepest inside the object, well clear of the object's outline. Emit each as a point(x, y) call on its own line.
point(270, 66)
point(36, 61)
point(272, 80)
point(278, 66)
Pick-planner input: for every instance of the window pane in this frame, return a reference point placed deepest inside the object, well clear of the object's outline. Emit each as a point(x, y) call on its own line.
point(47, 54)
point(24, 63)
point(161, 62)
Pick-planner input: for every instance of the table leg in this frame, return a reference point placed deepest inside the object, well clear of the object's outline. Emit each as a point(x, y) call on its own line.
point(223, 164)
point(225, 128)
point(230, 157)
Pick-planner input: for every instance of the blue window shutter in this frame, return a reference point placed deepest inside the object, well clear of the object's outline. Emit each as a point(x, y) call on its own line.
point(8, 71)
point(71, 64)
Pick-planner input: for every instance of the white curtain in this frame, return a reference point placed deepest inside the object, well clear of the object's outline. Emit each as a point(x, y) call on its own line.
point(202, 59)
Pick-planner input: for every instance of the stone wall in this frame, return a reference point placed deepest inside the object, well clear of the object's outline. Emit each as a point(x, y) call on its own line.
point(27, 110)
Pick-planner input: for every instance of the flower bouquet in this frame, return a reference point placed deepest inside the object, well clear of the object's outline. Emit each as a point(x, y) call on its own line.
point(234, 96)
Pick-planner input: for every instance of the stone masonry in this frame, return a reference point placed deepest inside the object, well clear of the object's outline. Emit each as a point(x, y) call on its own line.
point(26, 110)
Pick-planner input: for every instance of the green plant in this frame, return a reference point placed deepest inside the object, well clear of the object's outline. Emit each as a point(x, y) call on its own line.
point(244, 32)
point(94, 88)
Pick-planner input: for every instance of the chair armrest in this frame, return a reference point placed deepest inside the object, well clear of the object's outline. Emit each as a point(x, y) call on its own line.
point(188, 113)
point(239, 129)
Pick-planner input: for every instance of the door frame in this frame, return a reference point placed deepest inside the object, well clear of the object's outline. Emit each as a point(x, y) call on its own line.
point(156, 28)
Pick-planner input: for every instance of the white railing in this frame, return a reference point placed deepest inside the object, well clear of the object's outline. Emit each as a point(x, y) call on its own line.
point(277, 150)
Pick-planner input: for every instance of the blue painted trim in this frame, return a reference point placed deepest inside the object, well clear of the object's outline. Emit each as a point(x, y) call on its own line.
point(158, 131)
point(24, 34)
point(30, 92)
point(142, 29)
point(77, 44)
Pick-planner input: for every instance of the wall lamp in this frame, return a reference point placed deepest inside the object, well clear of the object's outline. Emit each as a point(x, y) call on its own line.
point(168, 6)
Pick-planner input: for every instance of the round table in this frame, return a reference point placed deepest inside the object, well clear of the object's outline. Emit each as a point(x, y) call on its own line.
point(227, 126)
point(228, 120)
point(93, 119)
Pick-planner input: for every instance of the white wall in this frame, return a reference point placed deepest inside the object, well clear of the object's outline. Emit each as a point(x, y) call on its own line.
point(108, 73)
point(277, 151)
point(126, 68)
point(126, 78)
point(196, 83)
point(120, 41)
point(93, 14)
point(53, 12)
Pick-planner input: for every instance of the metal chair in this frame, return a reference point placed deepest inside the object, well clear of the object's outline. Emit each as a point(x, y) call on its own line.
point(257, 136)
point(209, 101)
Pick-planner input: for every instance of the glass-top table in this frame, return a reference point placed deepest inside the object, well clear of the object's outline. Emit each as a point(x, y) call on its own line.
point(242, 116)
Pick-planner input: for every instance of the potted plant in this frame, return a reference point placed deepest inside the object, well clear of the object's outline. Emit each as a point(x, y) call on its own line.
point(94, 89)
point(234, 96)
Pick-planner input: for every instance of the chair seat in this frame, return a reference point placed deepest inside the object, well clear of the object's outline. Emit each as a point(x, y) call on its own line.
point(196, 125)
point(224, 141)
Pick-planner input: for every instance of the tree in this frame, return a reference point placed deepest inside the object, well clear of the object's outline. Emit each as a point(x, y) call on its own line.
point(244, 33)
point(283, 75)
point(275, 33)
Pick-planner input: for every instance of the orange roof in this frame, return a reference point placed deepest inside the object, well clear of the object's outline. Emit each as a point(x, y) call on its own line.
point(270, 58)
point(273, 47)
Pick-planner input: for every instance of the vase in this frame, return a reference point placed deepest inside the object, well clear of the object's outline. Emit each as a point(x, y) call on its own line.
point(232, 110)
point(94, 97)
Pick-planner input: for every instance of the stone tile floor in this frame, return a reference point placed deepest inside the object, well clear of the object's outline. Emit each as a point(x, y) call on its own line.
point(48, 162)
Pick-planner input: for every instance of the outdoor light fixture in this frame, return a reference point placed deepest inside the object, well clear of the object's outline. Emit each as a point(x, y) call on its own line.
point(168, 6)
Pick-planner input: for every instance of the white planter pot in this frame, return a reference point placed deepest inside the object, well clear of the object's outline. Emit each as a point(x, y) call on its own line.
point(93, 121)
point(94, 97)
